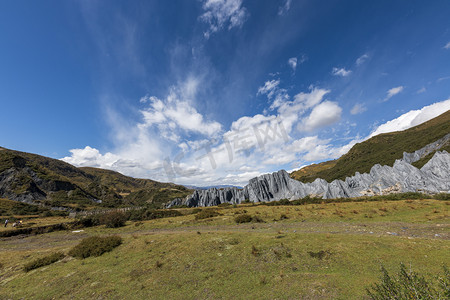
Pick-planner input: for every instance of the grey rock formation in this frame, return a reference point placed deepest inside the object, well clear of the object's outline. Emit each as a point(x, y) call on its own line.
point(433, 177)
point(416, 155)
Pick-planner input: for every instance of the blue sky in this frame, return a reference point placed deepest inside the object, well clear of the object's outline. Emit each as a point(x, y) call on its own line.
point(216, 91)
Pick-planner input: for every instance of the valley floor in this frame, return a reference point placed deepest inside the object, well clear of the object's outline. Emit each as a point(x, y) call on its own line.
point(321, 251)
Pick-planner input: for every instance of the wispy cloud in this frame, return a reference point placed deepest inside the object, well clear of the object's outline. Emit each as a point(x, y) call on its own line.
point(447, 46)
point(421, 91)
point(341, 72)
point(284, 8)
point(358, 108)
point(293, 62)
point(219, 13)
point(443, 78)
point(392, 92)
point(362, 59)
point(274, 93)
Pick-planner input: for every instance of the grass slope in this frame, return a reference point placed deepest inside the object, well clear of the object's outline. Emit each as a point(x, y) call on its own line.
point(382, 149)
point(58, 183)
point(215, 258)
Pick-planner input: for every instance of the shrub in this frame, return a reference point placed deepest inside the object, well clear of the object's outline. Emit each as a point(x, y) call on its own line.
point(44, 261)
point(206, 213)
point(225, 204)
point(409, 285)
point(113, 219)
point(246, 218)
point(442, 196)
point(95, 246)
point(151, 214)
point(320, 254)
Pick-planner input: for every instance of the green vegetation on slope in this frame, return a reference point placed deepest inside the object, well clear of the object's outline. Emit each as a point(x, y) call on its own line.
point(57, 183)
point(11, 207)
point(382, 149)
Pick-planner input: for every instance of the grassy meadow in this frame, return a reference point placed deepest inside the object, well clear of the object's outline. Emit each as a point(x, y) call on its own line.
point(314, 251)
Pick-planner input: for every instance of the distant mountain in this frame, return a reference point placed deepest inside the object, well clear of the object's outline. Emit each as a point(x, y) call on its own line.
point(382, 149)
point(222, 186)
point(33, 178)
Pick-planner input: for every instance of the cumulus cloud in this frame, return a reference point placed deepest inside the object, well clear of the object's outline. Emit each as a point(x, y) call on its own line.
point(362, 59)
point(358, 108)
point(341, 72)
point(219, 13)
point(324, 114)
point(284, 8)
point(173, 113)
point(447, 46)
point(413, 118)
point(90, 157)
point(392, 92)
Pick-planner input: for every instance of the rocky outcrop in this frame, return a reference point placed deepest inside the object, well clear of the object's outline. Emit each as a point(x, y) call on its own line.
point(417, 155)
point(433, 177)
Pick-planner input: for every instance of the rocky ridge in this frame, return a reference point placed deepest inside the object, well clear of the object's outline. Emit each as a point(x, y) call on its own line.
point(433, 177)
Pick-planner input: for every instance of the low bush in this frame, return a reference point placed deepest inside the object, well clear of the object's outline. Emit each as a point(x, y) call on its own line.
point(44, 261)
point(442, 196)
point(410, 285)
point(225, 204)
point(246, 218)
point(151, 214)
point(319, 254)
point(113, 219)
point(206, 213)
point(95, 246)
point(243, 218)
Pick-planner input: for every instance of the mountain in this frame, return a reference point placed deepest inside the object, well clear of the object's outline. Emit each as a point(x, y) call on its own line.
point(382, 149)
point(33, 178)
point(424, 168)
point(402, 177)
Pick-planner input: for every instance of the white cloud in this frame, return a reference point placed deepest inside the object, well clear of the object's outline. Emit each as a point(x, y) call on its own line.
point(274, 93)
point(413, 118)
point(341, 72)
point(421, 91)
point(361, 59)
point(447, 46)
point(218, 13)
point(285, 8)
point(293, 62)
point(392, 92)
point(175, 112)
point(324, 114)
point(358, 108)
point(269, 88)
point(90, 157)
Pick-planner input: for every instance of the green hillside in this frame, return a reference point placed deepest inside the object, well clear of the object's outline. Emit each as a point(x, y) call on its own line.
point(382, 149)
point(31, 177)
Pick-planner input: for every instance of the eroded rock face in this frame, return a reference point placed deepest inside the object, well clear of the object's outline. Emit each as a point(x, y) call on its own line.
point(433, 177)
